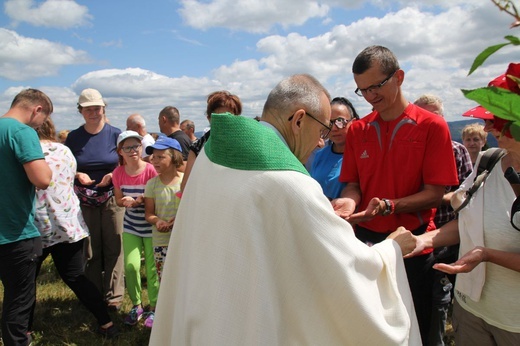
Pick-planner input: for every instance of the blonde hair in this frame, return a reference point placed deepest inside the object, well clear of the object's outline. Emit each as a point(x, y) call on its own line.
point(429, 99)
point(474, 128)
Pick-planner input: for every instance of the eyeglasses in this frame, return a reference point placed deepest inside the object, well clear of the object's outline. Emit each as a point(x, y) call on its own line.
point(340, 122)
point(324, 132)
point(372, 88)
point(131, 148)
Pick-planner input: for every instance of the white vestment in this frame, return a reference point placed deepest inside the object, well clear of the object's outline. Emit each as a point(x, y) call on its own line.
point(258, 257)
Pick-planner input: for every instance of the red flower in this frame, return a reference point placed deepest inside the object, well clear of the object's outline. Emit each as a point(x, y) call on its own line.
point(513, 70)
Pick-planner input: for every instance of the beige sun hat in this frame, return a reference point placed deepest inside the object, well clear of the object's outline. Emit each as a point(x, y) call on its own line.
point(90, 97)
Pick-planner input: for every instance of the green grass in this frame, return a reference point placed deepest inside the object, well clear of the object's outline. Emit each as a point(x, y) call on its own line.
point(60, 319)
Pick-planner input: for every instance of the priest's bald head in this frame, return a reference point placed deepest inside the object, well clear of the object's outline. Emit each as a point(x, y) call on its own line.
point(299, 108)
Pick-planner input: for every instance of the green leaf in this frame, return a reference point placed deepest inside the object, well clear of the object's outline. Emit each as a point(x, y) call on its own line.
point(513, 39)
point(501, 102)
point(479, 60)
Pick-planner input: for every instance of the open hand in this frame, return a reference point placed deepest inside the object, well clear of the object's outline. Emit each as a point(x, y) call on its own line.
point(465, 264)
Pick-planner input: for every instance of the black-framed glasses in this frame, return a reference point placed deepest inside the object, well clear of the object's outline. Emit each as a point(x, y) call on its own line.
point(324, 132)
point(372, 88)
point(340, 122)
point(131, 148)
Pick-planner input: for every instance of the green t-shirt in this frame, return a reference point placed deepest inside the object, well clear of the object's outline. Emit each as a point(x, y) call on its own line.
point(166, 205)
point(19, 144)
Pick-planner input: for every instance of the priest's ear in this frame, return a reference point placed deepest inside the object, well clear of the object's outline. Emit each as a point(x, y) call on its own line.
point(296, 122)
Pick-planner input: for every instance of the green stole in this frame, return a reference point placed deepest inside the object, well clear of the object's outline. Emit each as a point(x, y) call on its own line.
point(245, 144)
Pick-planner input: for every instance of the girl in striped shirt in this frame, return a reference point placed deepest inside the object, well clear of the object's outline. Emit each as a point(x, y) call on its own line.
point(129, 181)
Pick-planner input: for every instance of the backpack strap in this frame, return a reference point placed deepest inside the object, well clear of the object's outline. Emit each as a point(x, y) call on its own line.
point(488, 160)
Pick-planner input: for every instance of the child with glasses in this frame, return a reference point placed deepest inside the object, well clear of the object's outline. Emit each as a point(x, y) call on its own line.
point(129, 181)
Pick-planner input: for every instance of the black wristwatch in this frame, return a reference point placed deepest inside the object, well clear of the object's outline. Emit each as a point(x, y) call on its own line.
point(388, 205)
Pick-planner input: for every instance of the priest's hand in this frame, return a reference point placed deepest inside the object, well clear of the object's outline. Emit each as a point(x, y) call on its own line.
point(406, 240)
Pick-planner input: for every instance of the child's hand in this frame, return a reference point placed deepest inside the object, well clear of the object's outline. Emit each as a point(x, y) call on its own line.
point(128, 202)
point(163, 226)
point(139, 200)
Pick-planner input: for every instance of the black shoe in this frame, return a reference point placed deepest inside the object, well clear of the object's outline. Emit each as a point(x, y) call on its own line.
point(110, 332)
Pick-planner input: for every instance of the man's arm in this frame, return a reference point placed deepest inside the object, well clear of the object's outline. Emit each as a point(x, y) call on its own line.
point(39, 173)
point(429, 197)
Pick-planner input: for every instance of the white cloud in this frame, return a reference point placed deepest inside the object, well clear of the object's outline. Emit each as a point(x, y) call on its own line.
point(23, 58)
point(435, 48)
point(61, 14)
point(250, 15)
point(135, 90)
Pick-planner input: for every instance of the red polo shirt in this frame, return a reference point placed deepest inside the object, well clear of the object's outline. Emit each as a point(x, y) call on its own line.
point(394, 159)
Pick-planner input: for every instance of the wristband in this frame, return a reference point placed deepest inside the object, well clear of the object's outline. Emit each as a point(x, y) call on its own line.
point(390, 207)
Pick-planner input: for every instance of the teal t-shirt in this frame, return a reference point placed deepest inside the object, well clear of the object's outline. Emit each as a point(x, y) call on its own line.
point(19, 144)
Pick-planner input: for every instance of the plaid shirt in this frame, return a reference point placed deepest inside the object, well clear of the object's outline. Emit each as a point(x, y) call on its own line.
point(464, 168)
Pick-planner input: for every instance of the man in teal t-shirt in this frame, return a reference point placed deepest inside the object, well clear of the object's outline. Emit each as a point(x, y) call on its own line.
point(23, 169)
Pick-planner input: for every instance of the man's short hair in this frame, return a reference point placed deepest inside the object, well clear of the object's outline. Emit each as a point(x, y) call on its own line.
point(171, 114)
point(189, 124)
point(294, 92)
point(474, 129)
point(384, 56)
point(430, 99)
point(31, 97)
point(137, 119)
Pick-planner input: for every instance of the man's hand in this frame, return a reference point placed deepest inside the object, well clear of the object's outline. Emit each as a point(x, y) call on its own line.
point(465, 264)
point(344, 207)
point(373, 209)
point(406, 240)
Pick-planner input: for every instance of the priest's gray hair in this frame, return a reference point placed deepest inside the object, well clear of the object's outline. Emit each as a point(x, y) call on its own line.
point(296, 92)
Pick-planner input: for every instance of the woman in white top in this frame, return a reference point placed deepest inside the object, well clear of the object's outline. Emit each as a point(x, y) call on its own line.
point(487, 294)
point(63, 230)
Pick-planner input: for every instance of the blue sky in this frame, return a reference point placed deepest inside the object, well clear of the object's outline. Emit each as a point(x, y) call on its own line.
point(145, 55)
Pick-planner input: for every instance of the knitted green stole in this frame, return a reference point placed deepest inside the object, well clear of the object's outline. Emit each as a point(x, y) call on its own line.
point(245, 144)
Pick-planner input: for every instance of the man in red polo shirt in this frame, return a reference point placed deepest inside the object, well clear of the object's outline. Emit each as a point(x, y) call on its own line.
point(397, 162)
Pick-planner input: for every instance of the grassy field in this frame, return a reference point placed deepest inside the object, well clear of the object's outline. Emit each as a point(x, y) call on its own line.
point(61, 320)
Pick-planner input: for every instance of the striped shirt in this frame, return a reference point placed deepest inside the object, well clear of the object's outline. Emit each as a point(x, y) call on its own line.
point(133, 186)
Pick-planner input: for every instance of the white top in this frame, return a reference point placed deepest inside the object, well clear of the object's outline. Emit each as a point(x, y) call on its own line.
point(260, 258)
point(490, 291)
point(58, 214)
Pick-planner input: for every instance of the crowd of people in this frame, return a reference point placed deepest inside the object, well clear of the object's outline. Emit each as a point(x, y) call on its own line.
point(306, 225)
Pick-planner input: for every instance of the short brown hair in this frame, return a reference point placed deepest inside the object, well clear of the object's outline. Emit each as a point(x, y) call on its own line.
point(171, 114)
point(30, 97)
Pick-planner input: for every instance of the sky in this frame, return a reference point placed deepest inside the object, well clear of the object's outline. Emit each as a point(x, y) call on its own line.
point(145, 55)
